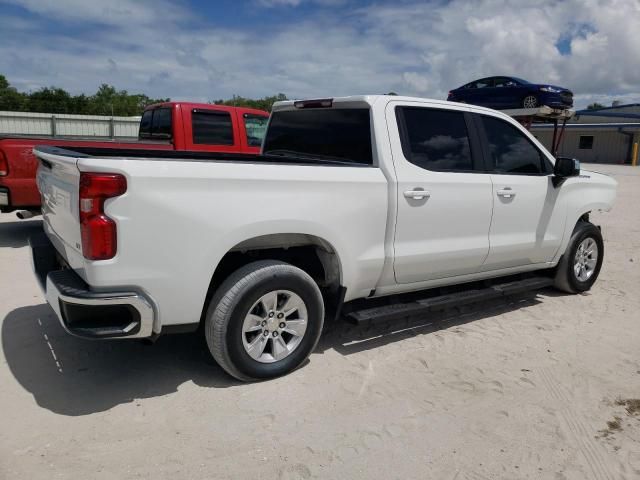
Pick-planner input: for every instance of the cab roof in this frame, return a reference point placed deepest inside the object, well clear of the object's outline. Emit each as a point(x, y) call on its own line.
point(205, 106)
point(359, 100)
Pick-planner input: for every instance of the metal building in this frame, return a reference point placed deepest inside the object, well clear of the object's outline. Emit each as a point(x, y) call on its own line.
point(64, 125)
point(605, 135)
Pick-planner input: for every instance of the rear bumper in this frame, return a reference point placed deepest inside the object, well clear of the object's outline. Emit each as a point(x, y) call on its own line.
point(82, 311)
point(20, 193)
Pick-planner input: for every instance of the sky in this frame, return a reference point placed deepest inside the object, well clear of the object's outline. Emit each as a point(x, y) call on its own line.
point(203, 50)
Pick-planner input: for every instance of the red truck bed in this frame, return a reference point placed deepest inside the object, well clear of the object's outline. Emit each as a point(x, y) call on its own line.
point(165, 126)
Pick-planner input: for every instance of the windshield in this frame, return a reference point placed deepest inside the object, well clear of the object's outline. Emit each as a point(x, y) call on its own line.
point(256, 126)
point(343, 134)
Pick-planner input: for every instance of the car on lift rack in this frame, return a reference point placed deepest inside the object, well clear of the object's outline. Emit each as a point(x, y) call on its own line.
point(511, 92)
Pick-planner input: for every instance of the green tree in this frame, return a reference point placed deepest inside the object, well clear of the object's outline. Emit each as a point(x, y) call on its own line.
point(265, 103)
point(106, 101)
point(109, 101)
point(50, 100)
point(79, 104)
point(595, 106)
point(10, 98)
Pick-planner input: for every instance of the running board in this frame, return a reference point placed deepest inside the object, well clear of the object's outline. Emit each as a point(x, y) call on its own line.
point(441, 302)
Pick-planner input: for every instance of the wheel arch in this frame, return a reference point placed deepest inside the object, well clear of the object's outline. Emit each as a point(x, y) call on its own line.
point(573, 218)
point(311, 253)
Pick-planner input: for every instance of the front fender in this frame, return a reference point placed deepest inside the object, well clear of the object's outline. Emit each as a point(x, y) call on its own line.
point(585, 193)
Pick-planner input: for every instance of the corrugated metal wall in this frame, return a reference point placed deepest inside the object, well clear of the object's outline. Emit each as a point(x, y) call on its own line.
point(609, 146)
point(61, 125)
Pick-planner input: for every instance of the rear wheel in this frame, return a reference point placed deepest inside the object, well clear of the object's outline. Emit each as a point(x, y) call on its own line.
point(264, 320)
point(530, 101)
point(580, 265)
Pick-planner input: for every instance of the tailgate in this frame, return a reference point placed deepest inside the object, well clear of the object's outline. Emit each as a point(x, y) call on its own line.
point(58, 180)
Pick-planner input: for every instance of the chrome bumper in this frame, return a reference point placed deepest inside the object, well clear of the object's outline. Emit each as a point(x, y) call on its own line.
point(84, 312)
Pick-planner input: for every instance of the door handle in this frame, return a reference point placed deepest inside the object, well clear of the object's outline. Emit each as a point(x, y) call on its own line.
point(506, 192)
point(416, 194)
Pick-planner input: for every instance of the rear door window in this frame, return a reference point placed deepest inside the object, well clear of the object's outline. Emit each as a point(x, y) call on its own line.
point(156, 124)
point(161, 123)
point(511, 151)
point(503, 82)
point(212, 127)
point(145, 124)
point(435, 139)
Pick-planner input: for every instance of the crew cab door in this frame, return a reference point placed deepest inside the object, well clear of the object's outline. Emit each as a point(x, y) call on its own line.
point(505, 92)
point(478, 93)
point(528, 221)
point(444, 200)
point(211, 129)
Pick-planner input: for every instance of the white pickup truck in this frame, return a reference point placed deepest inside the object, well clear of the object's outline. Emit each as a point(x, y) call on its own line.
point(352, 200)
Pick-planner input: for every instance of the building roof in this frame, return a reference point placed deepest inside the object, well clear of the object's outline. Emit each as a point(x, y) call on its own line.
point(617, 107)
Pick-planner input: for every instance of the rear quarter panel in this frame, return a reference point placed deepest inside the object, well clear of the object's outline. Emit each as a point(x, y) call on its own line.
point(178, 219)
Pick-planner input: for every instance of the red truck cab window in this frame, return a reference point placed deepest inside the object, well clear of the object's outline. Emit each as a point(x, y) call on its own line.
point(211, 127)
point(256, 127)
point(156, 123)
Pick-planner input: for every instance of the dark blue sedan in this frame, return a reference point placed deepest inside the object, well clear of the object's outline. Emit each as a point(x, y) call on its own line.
point(511, 92)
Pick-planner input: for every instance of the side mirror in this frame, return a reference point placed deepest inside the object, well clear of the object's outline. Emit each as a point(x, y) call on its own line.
point(564, 168)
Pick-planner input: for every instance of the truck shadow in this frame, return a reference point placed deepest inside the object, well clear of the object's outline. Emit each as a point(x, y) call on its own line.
point(347, 339)
point(72, 376)
point(16, 234)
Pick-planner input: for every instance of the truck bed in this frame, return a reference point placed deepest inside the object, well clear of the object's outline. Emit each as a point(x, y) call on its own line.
point(64, 138)
point(183, 211)
point(186, 156)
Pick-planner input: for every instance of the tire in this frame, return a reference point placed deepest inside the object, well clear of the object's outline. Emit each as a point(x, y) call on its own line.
point(567, 277)
point(530, 101)
point(243, 300)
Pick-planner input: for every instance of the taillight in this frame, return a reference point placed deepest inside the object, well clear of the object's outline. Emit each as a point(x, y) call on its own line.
point(4, 164)
point(99, 236)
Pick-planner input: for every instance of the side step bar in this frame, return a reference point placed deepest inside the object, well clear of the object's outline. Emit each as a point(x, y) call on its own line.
point(417, 307)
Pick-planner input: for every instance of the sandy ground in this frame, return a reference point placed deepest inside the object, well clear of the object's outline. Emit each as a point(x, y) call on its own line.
point(535, 387)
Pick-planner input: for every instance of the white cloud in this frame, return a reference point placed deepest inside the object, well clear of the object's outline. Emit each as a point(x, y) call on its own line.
point(425, 49)
point(111, 12)
point(279, 3)
point(295, 3)
point(417, 82)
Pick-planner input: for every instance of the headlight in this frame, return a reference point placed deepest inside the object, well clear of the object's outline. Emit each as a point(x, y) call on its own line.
point(550, 89)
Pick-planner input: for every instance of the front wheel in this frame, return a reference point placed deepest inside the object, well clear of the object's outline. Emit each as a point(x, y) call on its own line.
point(264, 320)
point(530, 101)
point(580, 265)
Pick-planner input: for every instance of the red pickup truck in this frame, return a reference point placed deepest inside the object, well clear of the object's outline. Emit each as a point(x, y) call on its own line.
point(164, 126)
